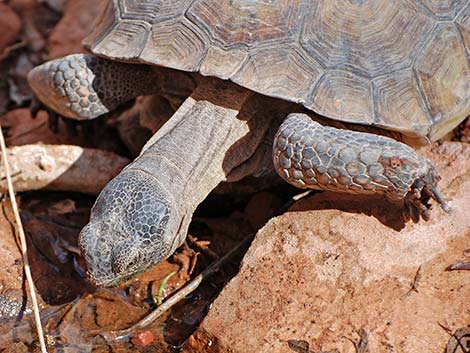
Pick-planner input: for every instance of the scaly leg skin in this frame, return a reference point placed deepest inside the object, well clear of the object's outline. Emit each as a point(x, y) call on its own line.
point(309, 155)
point(143, 214)
point(83, 86)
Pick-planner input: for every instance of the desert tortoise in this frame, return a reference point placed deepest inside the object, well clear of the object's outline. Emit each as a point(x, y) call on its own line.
point(401, 66)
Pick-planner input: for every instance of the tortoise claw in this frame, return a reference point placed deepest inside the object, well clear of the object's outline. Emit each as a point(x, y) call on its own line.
point(436, 195)
point(36, 106)
point(421, 192)
point(54, 119)
point(417, 200)
point(417, 206)
point(71, 126)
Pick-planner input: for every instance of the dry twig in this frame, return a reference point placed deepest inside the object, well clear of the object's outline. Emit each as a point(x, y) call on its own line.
point(459, 266)
point(414, 284)
point(362, 344)
point(24, 250)
point(175, 298)
point(202, 247)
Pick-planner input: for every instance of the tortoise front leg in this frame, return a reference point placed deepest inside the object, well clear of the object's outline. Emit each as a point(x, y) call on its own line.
point(83, 86)
point(309, 155)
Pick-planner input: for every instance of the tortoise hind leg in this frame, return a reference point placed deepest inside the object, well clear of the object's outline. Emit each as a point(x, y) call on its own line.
point(309, 155)
point(83, 86)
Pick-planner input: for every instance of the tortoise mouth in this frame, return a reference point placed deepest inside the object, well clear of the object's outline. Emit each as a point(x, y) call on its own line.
point(98, 251)
point(99, 269)
point(111, 280)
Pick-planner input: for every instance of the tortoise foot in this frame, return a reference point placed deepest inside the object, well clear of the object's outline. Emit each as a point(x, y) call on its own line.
point(83, 86)
point(309, 155)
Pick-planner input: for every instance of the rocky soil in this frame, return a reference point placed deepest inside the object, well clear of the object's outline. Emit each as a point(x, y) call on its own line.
point(338, 272)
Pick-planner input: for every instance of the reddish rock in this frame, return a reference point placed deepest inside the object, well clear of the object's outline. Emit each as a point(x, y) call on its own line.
point(261, 207)
point(10, 25)
point(142, 338)
point(336, 268)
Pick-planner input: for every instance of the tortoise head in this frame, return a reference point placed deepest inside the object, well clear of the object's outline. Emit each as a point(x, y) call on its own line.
point(132, 227)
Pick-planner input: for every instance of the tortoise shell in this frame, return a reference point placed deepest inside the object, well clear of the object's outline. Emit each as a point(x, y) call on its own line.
point(402, 65)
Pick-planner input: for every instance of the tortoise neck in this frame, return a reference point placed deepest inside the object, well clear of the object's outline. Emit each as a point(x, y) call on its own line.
point(198, 147)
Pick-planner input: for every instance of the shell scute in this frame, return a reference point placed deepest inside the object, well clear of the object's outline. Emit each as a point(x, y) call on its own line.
point(401, 65)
